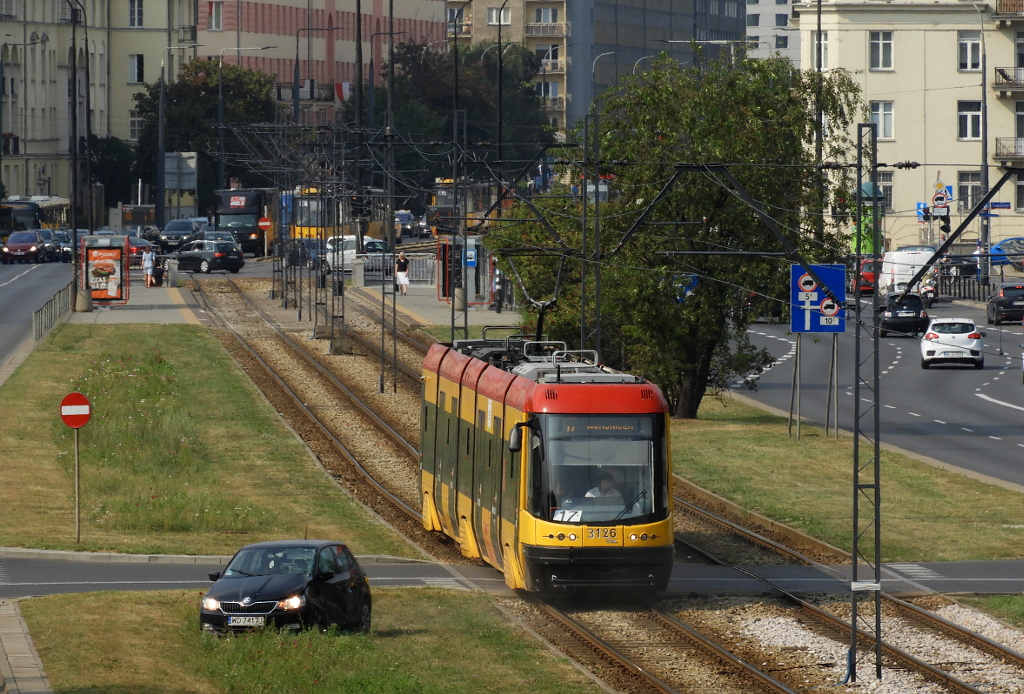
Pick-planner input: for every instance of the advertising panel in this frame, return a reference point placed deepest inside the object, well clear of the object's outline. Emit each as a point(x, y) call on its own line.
point(106, 273)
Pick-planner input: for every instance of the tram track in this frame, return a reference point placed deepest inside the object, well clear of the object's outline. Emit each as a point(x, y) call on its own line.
point(894, 656)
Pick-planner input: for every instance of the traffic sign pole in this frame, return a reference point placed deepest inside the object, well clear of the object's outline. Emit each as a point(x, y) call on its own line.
point(75, 411)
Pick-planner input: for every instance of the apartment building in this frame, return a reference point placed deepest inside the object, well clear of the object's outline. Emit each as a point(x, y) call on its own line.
point(944, 82)
point(771, 30)
point(587, 45)
point(320, 37)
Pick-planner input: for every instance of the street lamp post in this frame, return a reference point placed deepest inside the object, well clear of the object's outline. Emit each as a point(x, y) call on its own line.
point(593, 70)
point(295, 73)
point(637, 63)
point(220, 108)
point(985, 235)
point(370, 107)
point(161, 153)
point(501, 71)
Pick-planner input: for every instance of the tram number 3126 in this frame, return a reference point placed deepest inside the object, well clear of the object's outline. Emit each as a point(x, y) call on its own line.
point(601, 534)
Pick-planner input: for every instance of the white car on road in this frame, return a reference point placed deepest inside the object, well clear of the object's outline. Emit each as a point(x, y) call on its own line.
point(953, 341)
point(341, 252)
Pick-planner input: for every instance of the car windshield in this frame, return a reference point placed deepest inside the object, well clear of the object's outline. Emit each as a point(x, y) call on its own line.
point(952, 328)
point(276, 560)
point(178, 225)
point(21, 237)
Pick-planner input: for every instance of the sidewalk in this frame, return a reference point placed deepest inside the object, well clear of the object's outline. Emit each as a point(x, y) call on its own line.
point(21, 671)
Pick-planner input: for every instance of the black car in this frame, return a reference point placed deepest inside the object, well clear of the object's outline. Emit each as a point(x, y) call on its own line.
point(1006, 305)
point(64, 241)
point(206, 256)
point(305, 252)
point(175, 233)
point(288, 584)
point(51, 245)
point(906, 316)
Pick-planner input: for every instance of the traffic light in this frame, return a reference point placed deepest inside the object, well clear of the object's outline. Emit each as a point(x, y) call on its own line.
point(926, 214)
point(358, 206)
point(944, 226)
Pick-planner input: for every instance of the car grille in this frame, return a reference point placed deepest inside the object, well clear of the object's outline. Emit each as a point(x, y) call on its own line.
point(253, 608)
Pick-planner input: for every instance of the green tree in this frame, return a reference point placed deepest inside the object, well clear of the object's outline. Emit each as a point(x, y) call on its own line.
point(190, 120)
point(756, 116)
point(113, 165)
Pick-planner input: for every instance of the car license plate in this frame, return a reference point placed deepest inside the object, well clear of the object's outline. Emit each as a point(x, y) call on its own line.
point(952, 354)
point(246, 621)
point(905, 314)
point(1018, 303)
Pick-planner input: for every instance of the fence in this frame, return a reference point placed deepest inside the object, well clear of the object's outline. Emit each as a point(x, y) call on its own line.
point(967, 287)
point(52, 312)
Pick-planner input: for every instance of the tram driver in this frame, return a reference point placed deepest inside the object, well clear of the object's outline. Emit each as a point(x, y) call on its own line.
point(606, 490)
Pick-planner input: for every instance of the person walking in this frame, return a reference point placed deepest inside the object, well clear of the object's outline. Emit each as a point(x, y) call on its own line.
point(148, 263)
point(402, 273)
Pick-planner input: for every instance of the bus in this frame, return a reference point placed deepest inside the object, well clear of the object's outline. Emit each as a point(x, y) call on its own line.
point(27, 212)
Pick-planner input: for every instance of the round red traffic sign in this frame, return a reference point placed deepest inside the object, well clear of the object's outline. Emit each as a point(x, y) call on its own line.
point(75, 410)
point(263, 224)
point(939, 199)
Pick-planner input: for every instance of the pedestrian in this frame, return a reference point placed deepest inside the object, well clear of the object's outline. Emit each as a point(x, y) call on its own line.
point(148, 262)
point(402, 273)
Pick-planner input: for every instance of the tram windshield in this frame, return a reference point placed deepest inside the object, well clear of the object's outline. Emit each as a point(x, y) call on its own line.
point(600, 468)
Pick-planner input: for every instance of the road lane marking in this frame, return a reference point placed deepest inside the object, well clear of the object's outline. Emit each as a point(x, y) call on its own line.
point(16, 277)
point(999, 402)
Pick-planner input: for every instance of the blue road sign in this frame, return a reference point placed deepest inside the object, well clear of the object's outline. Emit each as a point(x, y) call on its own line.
point(470, 257)
point(685, 284)
point(811, 309)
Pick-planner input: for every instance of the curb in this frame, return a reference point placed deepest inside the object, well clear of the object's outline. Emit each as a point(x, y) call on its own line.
point(119, 558)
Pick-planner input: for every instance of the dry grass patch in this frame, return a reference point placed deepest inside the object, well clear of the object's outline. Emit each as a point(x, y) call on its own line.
point(928, 514)
point(182, 455)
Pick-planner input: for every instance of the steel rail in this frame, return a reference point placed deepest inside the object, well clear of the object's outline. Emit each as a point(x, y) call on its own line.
point(311, 416)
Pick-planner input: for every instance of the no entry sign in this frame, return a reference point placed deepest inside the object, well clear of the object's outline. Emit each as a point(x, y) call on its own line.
point(75, 410)
point(263, 223)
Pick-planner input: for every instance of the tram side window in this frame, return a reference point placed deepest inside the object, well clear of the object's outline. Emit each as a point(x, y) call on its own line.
point(535, 488)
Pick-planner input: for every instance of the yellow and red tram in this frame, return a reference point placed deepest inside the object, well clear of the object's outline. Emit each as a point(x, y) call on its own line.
point(546, 465)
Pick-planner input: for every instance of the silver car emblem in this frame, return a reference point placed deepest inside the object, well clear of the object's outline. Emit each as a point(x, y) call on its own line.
point(246, 600)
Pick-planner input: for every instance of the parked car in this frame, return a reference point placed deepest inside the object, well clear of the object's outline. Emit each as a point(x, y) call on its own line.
point(288, 584)
point(957, 265)
point(206, 256)
point(306, 252)
point(906, 316)
point(24, 247)
point(66, 247)
point(952, 341)
point(136, 247)
point(1006, 305)
point(175, 232)
point(919, 249)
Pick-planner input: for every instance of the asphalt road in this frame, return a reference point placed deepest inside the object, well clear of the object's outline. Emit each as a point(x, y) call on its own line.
point(958, 415)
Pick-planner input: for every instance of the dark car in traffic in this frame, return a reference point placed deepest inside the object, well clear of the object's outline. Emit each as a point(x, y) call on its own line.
point(65, 245)
point(24, 247)
point(903, 316)
point(206, 256)
point(51, 245)
point(136, 247)
point(306, 252)
point(1006, 305)
point(288, 584)
point(175, 233)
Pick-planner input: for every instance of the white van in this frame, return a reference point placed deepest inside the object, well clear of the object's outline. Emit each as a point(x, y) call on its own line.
point(899, 267)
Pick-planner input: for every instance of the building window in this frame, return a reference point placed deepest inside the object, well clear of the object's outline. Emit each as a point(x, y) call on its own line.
point(547, 51)
point(781, 20)
point(968, 50)
point(134, 126)
point(781, 41)
point(881, 116)
point(136, 74)
point(134, 13)
point(546, 15)
point(880, 50)
point(1019, 203)
point(968, 118)
point(885, 187)
point(548, 89)
point(824, 51)
point(968, 189)
point(505, 12)
point(752, 2)
point(732, 10)
point(753, 20)
point(215, 20)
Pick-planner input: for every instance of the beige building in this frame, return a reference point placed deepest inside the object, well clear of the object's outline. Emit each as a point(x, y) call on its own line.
point(118, 45)
point(944, 82)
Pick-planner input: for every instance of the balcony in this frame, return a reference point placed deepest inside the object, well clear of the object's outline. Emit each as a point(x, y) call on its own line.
point(554, 103)
point(463, 29)
point(1009, 150)
point(1009, 81)
point(547, 29)
point(1008, 11)
point(553, 66)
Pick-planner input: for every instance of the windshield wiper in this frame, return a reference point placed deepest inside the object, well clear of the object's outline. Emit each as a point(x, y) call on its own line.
point(641, 495)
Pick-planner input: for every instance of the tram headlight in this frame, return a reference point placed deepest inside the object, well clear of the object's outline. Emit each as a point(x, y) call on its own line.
point(633, 537)
point(572, 536)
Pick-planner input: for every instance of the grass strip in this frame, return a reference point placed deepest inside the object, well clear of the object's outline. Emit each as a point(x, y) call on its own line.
point(424, 641)
point(182, 454)
point(927, 514)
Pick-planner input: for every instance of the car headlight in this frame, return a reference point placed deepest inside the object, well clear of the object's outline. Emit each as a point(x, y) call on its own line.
point(211, 604)
point(292, 603)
